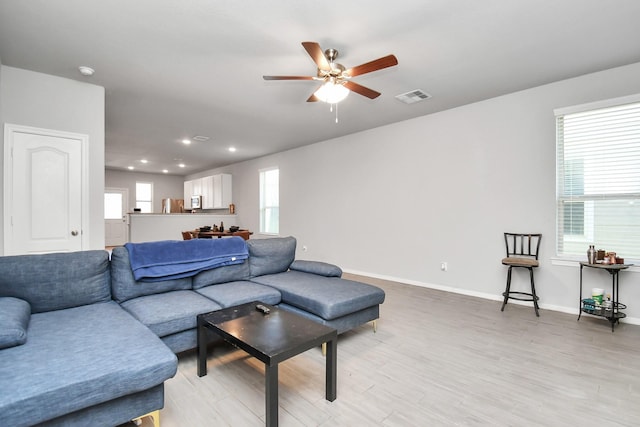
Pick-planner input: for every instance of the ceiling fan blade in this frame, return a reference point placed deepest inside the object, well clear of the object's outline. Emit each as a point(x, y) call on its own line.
point(313, 98)
point(315, 51)
point(375, 65)
point(288, 78)
point(361, 90)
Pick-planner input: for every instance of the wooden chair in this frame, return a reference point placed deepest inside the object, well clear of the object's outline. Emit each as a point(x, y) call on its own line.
point(245, 234)
point(522, 251)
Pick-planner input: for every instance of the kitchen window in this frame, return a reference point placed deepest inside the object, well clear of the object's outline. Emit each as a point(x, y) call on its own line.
point(144, 197)
point(598, 178)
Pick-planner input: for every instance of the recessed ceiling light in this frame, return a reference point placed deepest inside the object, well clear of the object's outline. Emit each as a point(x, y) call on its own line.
point(165, 171)
point(145, 161)
point(201, 138)
point(86, 71)
point(181, 165)
point(130, 168)
point(186, 141)
point(232, 149)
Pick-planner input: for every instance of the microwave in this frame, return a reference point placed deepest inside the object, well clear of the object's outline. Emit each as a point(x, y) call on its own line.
point(196, 202)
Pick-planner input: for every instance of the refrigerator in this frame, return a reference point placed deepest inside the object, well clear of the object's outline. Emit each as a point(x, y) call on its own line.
point(172, 205)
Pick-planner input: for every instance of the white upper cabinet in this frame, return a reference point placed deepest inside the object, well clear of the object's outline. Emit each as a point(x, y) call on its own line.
point(222, 191)
point(215, 191)
point(196, 187)
point(207, 192)
point(188, 192)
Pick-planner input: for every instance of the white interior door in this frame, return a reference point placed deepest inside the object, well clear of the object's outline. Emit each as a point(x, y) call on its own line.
point(115, 216)
point(44, 188)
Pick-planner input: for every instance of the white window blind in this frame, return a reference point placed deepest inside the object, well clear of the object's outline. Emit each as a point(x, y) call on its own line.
point(270, 201)
point(598, 181)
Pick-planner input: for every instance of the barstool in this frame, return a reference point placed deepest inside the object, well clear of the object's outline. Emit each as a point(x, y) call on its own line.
point(522, 251)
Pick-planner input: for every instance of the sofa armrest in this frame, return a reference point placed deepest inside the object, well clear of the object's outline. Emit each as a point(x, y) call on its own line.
point(316, 267)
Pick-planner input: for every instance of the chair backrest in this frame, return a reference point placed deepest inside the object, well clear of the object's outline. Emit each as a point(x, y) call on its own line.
point(522, 245)
point(186, 235)
point(244, 234)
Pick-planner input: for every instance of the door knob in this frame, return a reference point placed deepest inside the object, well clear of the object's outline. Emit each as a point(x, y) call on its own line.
point(74, 233)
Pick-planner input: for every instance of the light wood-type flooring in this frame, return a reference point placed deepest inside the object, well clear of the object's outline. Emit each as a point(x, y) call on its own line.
point(437, 359)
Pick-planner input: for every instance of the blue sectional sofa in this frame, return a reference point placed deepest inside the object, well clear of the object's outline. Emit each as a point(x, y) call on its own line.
point(82, 342)
point(80, 358)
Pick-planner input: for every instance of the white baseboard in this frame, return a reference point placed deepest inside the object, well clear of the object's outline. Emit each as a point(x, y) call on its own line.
point(492, 297)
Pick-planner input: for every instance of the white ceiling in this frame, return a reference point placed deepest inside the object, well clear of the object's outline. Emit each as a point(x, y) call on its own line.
point(175, 69)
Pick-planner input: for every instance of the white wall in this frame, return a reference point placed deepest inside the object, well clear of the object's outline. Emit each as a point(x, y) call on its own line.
point(40, 100)
point(394, 201)
point(164, 186)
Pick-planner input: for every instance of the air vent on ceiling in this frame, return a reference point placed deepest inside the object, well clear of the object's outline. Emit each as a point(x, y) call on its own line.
point(413, 96)
point(200, 138)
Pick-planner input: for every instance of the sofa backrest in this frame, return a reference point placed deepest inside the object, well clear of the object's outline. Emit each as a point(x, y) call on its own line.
point(56, 281)
point(124, 287)
point(228, 273)
point(271, 256)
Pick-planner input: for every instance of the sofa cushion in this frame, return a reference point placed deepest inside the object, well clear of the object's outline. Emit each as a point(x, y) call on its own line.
point(327, 297)
point(341, 324)
point(124, 287)
point(76, 358)
point(169, 312)
point(14, 320)
point(229, 273)
point(316, 267)
point(236, 293)
point(40, 280)
point(270, 256)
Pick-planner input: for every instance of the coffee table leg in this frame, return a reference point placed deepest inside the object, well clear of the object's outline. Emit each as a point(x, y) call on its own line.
point(271, 392)
point(331, 369)
point(202, 349)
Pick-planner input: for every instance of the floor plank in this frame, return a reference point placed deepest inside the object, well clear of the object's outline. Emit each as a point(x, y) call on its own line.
point(438, 359)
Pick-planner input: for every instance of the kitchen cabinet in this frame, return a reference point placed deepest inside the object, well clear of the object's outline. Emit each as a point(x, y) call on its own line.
point(188, 192)
point(215, 191)
point(222, 191)
point(197, 187)
point(206, 184)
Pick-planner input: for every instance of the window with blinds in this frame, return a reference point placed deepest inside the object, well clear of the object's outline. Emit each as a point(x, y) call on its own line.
point(270, 201)
point(598, 178)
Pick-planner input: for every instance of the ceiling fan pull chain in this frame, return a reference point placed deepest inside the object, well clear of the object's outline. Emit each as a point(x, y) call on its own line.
point(336, 113)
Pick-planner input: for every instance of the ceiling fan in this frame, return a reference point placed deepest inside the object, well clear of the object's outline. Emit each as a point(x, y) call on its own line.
point(335, 78)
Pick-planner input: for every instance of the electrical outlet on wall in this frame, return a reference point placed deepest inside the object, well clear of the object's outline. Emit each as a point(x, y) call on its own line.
point(304, 249)
point(443, 265)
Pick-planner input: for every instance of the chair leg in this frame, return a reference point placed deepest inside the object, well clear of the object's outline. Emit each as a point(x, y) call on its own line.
point(375, 326)
point(507, 290)
point(533, 293)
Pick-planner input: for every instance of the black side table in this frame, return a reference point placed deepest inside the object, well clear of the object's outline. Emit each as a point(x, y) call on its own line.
point(614, 315)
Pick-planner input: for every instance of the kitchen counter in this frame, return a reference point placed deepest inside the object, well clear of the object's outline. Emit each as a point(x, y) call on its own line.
point(149, 227)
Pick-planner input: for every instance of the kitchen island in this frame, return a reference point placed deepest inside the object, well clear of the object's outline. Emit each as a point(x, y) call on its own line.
point(146, 227)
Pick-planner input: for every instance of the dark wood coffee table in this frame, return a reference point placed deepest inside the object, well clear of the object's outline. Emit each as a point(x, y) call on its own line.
point(270, 338)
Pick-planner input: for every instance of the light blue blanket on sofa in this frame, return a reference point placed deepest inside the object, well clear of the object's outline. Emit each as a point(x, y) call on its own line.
point(174, 259)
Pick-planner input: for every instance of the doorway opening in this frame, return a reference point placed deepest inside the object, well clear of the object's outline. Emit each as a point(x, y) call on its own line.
point(116, 219)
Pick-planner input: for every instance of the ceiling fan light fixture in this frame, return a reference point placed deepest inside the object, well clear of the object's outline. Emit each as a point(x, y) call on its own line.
point(332, 92)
